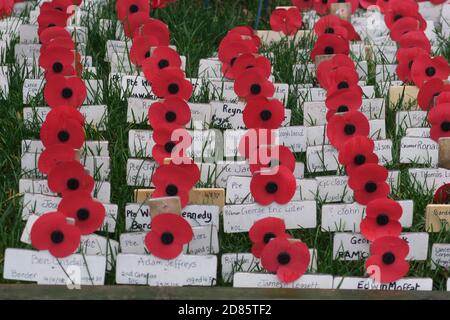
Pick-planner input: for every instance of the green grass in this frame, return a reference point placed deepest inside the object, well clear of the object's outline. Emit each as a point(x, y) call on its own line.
point(196, 32)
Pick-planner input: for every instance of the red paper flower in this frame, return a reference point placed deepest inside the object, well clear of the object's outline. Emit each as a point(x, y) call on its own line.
point(126, 8)
point(403, 26)
point(169, 114)
point(343, 100)
point(441, 196)
point(65, 91)
point(444, 97)
point(415, 39)
point(58, 61)
point(170, 144)
point(327, 66)
point(342, 127)
point(425, 68)
point(406, 57)
point(266, 157)
point(168, 235)
point(401, 9)
point(354, 3)
point(6, 8)
point(88, 213)
point(287, 21)
point(276, 184)
point(263, 231)
point(352, 34)
point(387, 261)
point(50, 18)
point(321, 6)
point(52, 33)
point(161, 3)
point(52, 232)
point(133, 23)
point(356, 152)
point(170, 82)
point(253, 84)
point(340, 79)
point(141, 48)
point(254, 138)
point(303, 4)
point(330, 25)
point(329, 44)
point(173, 180)
point(289, 259)
point(68, 177)
point(367, 3)
point(247, 32)
point(264, 113)
point(60, 129)
point(430, 91)
point(161, 58)
point(369, 183)
point(439, 119)
point(53, 155)
point(382, 219)
point(155, 28)
point(383, 5)
point(233, 45)
point(247, 61)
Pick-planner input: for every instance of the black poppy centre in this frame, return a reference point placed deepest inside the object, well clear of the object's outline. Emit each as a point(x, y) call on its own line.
point(170, 116)
point(167, 238)
point(370, 187)
point(73, 184)
point(255, 89)
point(382, 219)
point(359, 159)
point(173, 88)
point(268, 236)
point(171, 190)
point(63, 136)
point(57, 237)
point(57, 67)
point(271, 187)
point(67, 93)
point(265, 115)
point(169, 146)
point(349, 129)
point(284, 258)
point(83, 214)
point(445, 126)
point(163, 63)
point(134, 8)
point(388, 258)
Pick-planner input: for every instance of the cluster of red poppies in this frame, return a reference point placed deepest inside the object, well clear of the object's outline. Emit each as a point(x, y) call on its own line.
point(176, 174)
point(323, 6)
point(62, 135)
point(348, 130)
point(286, 20)
point(279, 253)
point(272, 165)
point(416, 65)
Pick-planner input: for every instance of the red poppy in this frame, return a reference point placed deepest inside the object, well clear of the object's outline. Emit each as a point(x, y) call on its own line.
point(233, 45)
point(49, 34)
point(68, 177)
point(247, 32)
point(52, 232)
point(161, 58)
point(263, 231)
point(382, 219)
point(343, 100)
point(53, 155)
point(266, 157)
point(367, 3)
point(264, 113)
point(58, 61)
point(167, 236)
point(439, 119)
point(155, 28)
point(289, 259)
point(65, 112)
point(125, 8)
point(406, 57)
point(172, 180)
point(441, 196)
point(330, 25)
point(356, 152)
point(247, 61)
point(276, 184)
point(51, 18)
point(321, 7)
point(141, 48)
point(325, 67)
point(62, 130)
point(133, 23)
point(387, 262)
point(329, 44)
point(425, 68)
point(286, 20)
point(354, 3)
point(342, 127)
point(252, 84)
point(59, 5)
point(169, 114)
point(403, 26)
point(254, 138)
point(6, 8)
point(444, 97)
point(369, 183)
point(340, 79)
point(88, 213)
point(351, 31)
point(429, 92)
point(401, 9)
point(170, 82)
point(415, 39)
point(60, 90)
point(170, 144)
point(60, 42)
point(303, 4)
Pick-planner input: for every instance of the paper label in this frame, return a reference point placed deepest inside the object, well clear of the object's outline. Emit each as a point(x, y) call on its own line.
point(419, 150)
point(440, 255)
point(266, 280)
point(405, 284)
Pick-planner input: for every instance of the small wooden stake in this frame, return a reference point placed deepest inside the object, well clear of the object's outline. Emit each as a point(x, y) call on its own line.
point(342, 10)
point(436, 216)
point(206, 196)
point(409, 94)
point(163, 205)
point(444, 153)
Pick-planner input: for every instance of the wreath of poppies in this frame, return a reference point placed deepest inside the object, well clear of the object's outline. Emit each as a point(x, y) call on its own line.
point(62, 134)
point(176, 174)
